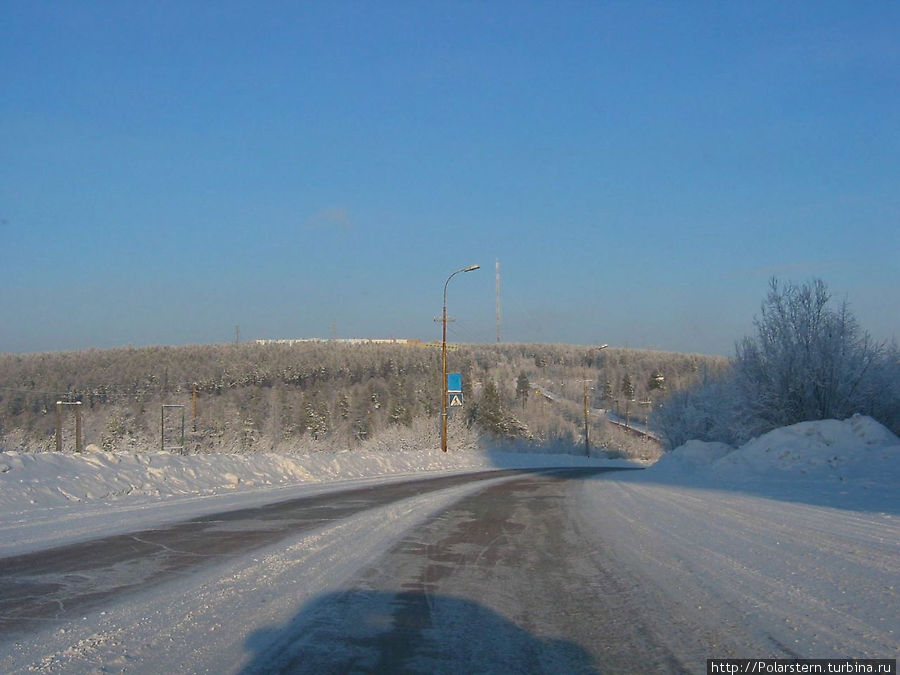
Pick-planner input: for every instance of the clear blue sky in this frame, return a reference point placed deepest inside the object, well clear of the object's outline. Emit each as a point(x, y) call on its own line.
point(169, 170)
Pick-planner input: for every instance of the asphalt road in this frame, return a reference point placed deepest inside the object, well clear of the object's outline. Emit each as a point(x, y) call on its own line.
point(61, 583)
point(501, 582)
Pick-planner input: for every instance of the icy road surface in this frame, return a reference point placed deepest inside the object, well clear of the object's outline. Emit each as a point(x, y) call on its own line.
point(564, 572)
point(62, 582)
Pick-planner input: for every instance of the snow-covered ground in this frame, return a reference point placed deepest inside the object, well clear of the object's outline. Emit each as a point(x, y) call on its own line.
point(793, 538)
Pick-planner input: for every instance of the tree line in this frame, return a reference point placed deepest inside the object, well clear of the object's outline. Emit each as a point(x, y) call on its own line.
point(326, 395)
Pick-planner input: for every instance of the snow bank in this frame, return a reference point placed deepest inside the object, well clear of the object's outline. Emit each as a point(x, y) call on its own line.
point(29, 481)
point(856, 455)
point(691, 456)
point(827, 449)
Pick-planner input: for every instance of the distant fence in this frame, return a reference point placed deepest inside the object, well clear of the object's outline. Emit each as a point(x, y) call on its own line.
point(644, 433)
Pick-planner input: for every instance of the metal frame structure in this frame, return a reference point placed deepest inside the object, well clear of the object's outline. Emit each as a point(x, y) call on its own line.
point(162, 428)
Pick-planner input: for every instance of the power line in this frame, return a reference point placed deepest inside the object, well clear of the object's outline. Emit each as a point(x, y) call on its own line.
point(37, 391)
point(471, 333)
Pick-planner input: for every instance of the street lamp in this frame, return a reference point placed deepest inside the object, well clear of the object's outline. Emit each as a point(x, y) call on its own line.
point(587, 440)
point(444, 359)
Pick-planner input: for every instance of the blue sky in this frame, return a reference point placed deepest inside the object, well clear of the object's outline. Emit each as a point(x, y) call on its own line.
point(640, 169)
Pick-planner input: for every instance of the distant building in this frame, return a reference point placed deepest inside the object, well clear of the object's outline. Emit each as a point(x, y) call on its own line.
point(349, 341)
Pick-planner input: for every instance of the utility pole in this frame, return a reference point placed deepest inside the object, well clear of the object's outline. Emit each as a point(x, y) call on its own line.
point(587, 441)
point(587, 407)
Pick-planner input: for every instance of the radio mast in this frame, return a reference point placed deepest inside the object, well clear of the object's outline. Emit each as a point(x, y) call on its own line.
point(498, 299)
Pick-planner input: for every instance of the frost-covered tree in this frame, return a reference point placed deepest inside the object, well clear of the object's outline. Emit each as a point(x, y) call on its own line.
point(807, 361)
point(627, 388)
point(607, 391)
point(709, 411)
point(490, 410)
point(886, 403)
point(523, 388)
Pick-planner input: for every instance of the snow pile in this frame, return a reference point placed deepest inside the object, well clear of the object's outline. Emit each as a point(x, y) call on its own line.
point(828, 449)
point(45, 480)
point(691, 456)
point(857, 455)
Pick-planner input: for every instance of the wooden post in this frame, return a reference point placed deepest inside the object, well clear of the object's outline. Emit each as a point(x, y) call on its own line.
point(79, 440)
point(79, 434)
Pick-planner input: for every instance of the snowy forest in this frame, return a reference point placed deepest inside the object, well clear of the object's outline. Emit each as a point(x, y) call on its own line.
point(330, 395)
point(809, 360)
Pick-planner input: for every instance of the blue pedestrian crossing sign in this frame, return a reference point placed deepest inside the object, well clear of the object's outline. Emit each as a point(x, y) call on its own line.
point(456, 399)
point(454, 383)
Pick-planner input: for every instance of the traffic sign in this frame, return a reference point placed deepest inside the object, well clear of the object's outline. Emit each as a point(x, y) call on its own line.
point(454, 383)
point(456, 400)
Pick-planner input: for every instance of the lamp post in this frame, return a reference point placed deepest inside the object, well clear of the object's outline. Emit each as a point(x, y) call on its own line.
point(444, 358)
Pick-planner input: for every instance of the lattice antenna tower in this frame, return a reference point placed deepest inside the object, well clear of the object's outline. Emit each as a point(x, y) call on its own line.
point(497, 267)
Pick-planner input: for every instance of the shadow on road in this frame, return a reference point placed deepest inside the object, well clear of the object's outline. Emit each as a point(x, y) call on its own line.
point(794, 487)
point(361, 631)
point(789, 488)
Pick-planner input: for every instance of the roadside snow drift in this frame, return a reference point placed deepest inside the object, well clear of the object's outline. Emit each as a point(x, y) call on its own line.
point(857, 459)
point(43, 480)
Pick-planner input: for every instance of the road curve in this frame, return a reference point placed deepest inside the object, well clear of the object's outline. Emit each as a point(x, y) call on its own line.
point(554, 571)
point(502, 581)
point(64, 582)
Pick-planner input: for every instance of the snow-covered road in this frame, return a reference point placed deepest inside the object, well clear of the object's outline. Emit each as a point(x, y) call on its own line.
point(611, 572)
point(737, 575)
point(200, 621)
